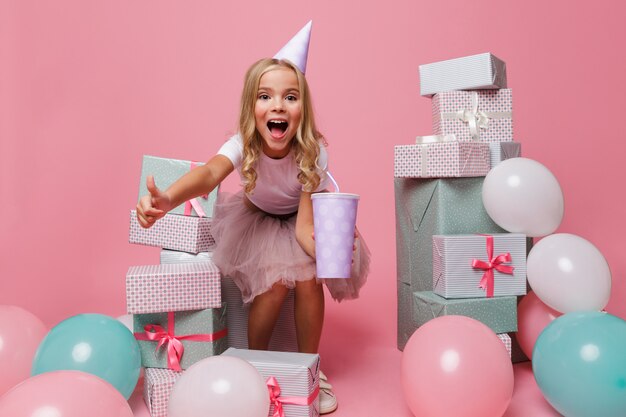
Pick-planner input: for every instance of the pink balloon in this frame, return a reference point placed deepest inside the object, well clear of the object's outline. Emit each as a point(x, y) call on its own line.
point(64, 394)
point(20, 335)
point(220, 386)
point(532, 317)
point(456, 366)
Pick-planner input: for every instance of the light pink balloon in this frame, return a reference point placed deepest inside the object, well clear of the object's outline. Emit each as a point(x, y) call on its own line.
point(220, 386)
point(456, 366)
point(64, 394)
point(532, 317)
point(20, 335)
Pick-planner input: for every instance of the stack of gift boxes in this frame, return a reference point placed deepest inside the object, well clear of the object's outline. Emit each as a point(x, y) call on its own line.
point(184, 310)
point(451, 257)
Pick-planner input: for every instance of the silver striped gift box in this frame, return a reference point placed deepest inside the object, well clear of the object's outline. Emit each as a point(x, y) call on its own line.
point(502, 151)
point(475, 72)
point(506, 340)
point(297, 375)
point(284, 335)
point(455, 277)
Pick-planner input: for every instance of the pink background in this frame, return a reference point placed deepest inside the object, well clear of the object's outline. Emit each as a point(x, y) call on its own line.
point(88, 87)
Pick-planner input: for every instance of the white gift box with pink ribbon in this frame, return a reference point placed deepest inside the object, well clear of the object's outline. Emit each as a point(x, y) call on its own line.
point(292, 379)
point(172, 287)
point(481, 115)
point(475, 266)
point(441, 156)
point(166, 171)
point(181, 233)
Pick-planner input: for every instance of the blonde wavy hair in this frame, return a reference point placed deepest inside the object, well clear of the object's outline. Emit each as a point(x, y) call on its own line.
point(306, 142)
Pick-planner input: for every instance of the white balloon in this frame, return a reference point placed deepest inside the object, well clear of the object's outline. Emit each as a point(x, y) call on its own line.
point(568, 273)
point(523, 196)
point(220, 386)
point(127, 320)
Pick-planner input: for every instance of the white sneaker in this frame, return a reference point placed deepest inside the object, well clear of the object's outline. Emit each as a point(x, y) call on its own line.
point(328, 401)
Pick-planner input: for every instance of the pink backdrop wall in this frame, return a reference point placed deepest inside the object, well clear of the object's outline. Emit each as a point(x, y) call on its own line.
point(88, 87)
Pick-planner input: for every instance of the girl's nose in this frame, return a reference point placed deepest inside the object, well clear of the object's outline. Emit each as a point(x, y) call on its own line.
point(278, 105)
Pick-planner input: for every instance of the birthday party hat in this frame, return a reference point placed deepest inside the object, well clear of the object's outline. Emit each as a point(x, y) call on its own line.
point(297, 49)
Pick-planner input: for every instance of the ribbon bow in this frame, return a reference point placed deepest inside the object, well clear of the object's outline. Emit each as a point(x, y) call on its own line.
point(474, 118)
point(194, 201)
point(274, 390)
point(487, 281)
point(174, 346)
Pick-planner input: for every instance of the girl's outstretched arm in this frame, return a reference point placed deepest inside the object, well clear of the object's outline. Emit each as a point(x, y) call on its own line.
point(198, 181)
point(304, 224)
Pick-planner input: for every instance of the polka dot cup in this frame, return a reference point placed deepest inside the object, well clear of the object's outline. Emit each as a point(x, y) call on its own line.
point(334, 220)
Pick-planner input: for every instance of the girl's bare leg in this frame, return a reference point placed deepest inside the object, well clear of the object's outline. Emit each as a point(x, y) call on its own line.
point(309, 315)
point(264, 312)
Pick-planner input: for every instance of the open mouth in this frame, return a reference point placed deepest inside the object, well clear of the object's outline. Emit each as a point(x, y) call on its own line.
point(277, 127)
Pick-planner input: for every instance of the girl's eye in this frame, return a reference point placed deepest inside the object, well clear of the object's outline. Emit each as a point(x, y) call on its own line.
point(292, 98)
point(264, 97)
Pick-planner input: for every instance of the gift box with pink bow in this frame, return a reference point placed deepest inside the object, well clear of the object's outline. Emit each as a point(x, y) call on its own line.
point(181, 233)
point(172, 287)
point(292, 380)
point(481, 115)
point(158, 384)
point(472, 266)
point(166, 171)
point(177, 340)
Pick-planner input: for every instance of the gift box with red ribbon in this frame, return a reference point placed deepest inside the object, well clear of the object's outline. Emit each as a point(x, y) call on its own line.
point(481, 115)
point(473, 266)
point(166, 171)
point(177, 340)
point(292, 380)
point(181, 233)
point(172, 287)
point(157, 387)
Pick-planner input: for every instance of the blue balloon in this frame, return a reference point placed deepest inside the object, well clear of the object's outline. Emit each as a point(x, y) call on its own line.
point(579, 362)
point(92, 343)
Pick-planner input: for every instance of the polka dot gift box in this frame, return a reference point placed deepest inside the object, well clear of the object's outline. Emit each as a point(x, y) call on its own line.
point(483, 115)
point(181, 233)
point(172, 287)
point(441, 160)
point(158, 384)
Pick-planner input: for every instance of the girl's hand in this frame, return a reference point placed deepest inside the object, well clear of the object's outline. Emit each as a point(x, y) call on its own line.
point(153, 206)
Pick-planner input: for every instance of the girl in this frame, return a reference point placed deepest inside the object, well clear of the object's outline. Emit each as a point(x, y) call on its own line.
point(264, 233)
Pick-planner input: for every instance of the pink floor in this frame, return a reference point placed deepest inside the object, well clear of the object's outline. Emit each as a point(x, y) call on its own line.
point(374, 390)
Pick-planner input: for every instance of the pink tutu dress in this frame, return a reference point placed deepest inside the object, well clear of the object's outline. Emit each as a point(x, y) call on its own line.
point(257, 249)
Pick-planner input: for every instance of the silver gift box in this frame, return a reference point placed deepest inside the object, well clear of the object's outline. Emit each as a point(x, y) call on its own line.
point(476, 72)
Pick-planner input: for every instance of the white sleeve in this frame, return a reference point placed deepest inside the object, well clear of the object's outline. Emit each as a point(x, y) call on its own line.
point(323, 164)
point(233, 150)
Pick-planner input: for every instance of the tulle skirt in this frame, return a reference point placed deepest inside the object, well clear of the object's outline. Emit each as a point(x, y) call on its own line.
point(257, 250)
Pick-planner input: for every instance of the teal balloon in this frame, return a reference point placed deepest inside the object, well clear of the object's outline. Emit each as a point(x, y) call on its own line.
point(579, 362)
point(92, 343)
